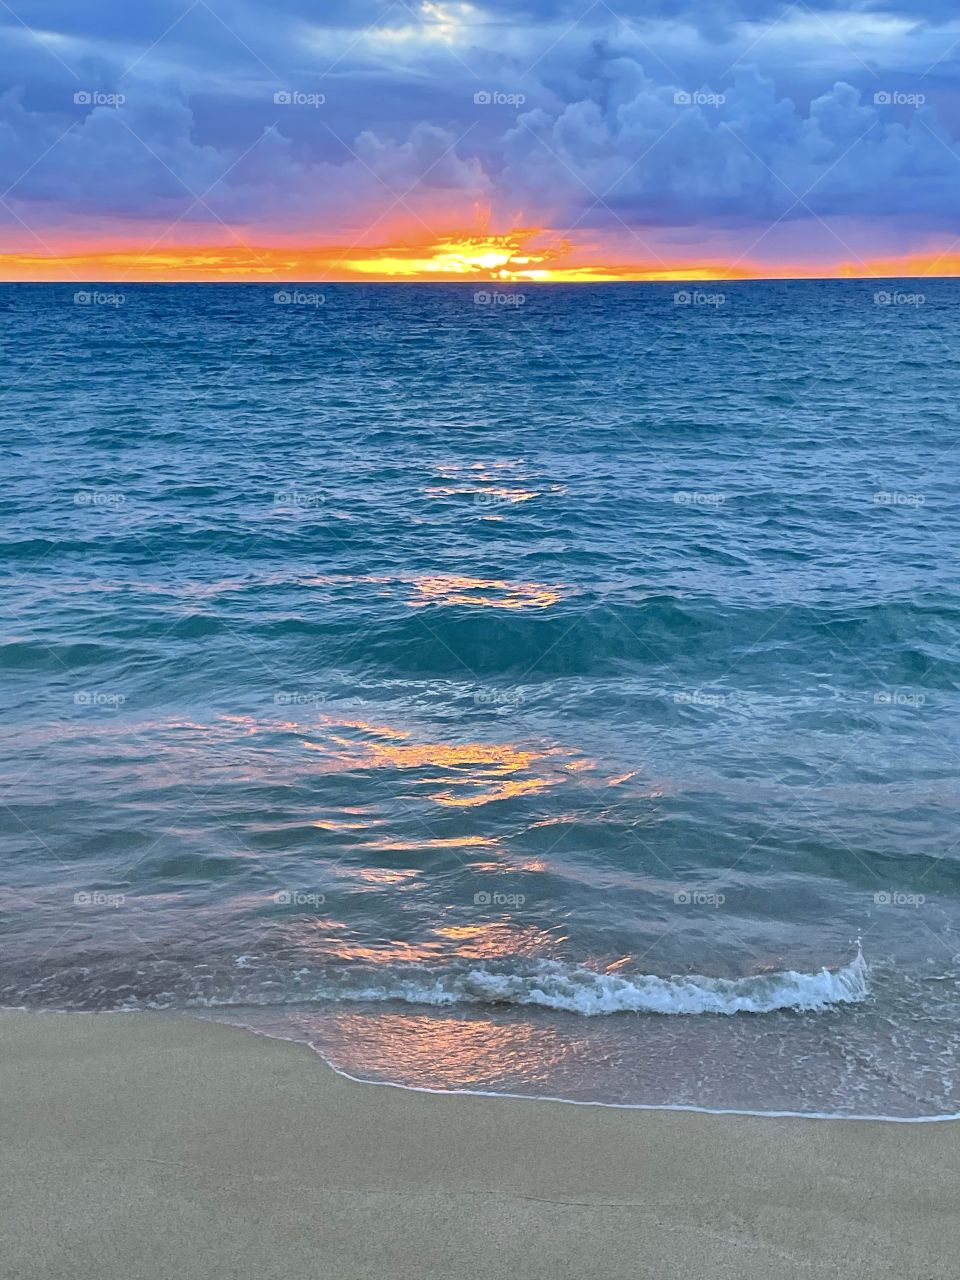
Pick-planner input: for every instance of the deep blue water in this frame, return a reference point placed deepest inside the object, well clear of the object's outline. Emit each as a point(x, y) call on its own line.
point(471, 688)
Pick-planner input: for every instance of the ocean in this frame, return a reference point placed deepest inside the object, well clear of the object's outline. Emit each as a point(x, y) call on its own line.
point(522, 689)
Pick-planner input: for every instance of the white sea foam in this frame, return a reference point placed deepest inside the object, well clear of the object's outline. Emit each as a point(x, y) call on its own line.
point(549, 984)
point(574, 989)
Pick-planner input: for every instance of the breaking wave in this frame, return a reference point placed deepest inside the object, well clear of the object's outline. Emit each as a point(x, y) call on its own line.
point(575, 989)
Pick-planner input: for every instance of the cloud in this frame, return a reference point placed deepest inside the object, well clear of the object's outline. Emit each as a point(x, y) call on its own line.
point(657, 154)
point(142, 161)
point(646, 153)
point(656, 121)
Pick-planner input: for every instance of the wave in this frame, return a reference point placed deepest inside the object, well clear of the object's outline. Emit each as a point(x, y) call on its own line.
point(550, 984)
point(575, 989)
point(263, 981)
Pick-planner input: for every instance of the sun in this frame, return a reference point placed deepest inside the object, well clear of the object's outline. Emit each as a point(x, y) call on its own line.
point(487, 257)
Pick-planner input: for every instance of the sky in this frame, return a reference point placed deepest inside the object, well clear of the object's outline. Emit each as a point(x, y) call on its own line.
point(503, 139)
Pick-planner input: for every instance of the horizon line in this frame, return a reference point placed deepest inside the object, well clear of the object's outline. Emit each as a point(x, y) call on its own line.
point(479, 283)
point(515, 259)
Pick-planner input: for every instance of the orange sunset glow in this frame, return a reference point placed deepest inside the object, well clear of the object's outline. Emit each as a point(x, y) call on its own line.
point(527, 256)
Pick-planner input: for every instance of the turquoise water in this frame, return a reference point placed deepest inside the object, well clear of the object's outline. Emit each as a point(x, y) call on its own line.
point(528, 696)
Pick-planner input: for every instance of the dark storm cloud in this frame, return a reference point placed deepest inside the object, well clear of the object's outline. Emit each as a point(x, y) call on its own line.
point(792, 118)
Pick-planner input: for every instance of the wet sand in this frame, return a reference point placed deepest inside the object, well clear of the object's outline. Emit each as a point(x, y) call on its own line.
point(165, 1148)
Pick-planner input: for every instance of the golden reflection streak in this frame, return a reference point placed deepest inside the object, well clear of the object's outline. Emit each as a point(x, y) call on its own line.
point(510, 862)
point(438, 842)
point(496, 940)
point(458, 589)
point(501, 757)
point(381, 876)
point(478, 773)
point(330, 825)
point(504, 791)
point(485, 940)
point(438, 1051)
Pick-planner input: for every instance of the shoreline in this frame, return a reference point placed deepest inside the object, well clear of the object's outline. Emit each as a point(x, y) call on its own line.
point(683, 1108)
point(156, 1145)
point(454, 1092)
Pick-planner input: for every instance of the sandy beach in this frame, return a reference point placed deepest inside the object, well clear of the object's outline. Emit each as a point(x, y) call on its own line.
point(155, 1146)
